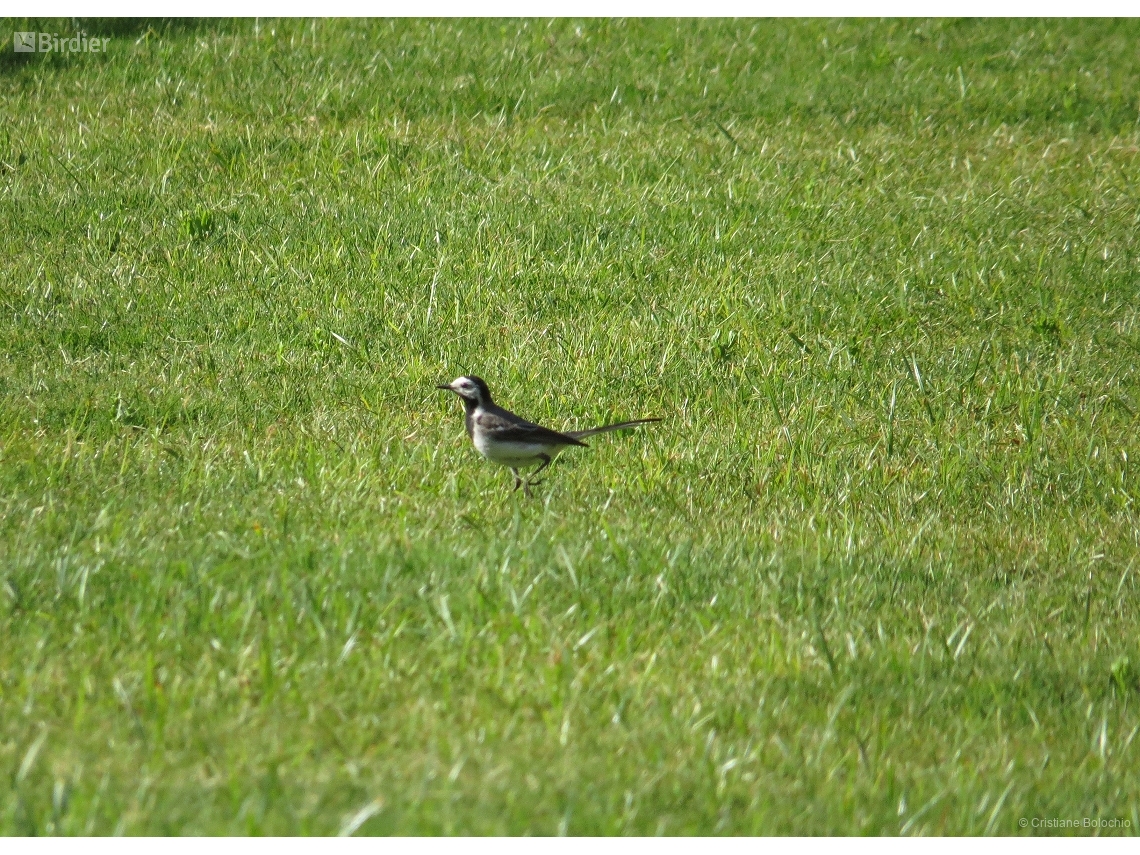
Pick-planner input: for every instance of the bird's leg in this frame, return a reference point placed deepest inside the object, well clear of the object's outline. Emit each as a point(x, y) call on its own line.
point(518, 480)
point(546, 459)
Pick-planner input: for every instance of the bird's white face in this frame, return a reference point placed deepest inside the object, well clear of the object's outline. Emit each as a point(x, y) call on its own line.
point(465, 386)
point(469, 389)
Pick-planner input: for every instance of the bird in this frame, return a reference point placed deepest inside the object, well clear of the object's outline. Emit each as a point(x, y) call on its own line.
point(509, 440)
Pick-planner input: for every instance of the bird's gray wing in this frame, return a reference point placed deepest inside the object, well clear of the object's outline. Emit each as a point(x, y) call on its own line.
point(514, 429)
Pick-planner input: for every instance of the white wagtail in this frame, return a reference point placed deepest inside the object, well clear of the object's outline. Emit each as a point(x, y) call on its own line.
point(504, 438)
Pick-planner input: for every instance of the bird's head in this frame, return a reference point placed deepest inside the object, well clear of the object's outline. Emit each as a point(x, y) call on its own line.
point(471, 389)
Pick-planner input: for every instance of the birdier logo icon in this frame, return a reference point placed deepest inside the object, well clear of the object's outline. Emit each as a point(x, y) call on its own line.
point(52, 43)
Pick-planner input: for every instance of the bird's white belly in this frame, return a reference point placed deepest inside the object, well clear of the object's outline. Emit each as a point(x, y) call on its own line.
point(511, 453)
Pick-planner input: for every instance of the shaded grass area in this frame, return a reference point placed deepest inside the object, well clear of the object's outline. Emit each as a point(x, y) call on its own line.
point(873, 573)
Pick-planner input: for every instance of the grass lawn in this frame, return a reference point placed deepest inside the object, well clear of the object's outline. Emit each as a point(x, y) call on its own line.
point(876, 571)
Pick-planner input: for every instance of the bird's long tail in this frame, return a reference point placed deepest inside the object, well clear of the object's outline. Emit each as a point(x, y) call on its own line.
point(580, 434)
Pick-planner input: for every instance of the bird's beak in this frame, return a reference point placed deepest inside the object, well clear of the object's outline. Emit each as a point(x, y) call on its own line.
point(446, 388)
